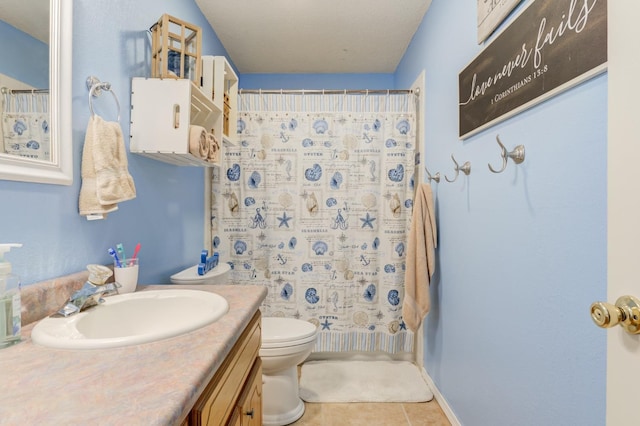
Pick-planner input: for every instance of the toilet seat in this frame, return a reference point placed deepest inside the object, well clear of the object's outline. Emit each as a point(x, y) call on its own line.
point(190, 275)
point(285, 332)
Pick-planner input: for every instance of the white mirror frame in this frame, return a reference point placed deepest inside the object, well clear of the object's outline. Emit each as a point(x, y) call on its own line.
point(59, 170)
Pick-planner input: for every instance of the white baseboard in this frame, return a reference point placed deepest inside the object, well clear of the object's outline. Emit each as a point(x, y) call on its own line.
point(441, 401)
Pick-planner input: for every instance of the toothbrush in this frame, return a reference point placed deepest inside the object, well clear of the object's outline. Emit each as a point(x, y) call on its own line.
point(120, 250)
point(113, 254)
point(135, 252)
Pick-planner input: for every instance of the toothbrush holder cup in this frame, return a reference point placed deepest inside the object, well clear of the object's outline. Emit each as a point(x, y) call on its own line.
point(126, 274)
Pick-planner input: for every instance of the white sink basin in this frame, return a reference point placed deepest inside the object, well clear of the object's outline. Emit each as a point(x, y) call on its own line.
point(132, 318)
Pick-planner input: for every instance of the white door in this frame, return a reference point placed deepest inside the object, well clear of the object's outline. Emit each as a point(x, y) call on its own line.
point(623, 210)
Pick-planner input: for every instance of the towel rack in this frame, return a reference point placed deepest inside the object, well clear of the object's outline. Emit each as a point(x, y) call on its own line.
point(96, 87)
point(465, 168)
point(435, 177)
point(517, 155)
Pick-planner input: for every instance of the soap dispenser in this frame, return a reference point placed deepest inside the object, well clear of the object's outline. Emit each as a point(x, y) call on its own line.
point(10, 308)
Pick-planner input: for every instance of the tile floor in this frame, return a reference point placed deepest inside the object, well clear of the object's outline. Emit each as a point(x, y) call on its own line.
point(373, 414)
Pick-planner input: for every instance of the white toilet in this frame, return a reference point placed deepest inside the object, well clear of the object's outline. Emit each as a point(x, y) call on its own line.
point(286, 343)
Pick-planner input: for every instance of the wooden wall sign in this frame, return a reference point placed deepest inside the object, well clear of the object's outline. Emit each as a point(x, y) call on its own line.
point(550, 46)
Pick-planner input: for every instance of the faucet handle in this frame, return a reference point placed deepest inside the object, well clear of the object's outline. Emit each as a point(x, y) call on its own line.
point(98, 274)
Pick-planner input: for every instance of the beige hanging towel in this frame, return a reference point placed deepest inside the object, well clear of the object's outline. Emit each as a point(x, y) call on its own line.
point(421, 259)
point(105, 177)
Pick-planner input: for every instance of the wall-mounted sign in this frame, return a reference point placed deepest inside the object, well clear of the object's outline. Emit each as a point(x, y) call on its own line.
point(491, 13)
point(550, 46)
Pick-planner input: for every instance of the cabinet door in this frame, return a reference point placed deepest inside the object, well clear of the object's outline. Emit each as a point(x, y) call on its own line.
point(250, 402)
point(236, 418)
point(219, 401)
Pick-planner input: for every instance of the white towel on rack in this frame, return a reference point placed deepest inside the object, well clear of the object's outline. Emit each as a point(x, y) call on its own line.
point(421, 262)
point(105, 177)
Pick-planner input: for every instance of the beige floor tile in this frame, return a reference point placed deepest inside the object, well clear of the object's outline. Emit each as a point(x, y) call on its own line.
point(312, 416)
point(363, 414)
point(373, 414)
point(425, 414)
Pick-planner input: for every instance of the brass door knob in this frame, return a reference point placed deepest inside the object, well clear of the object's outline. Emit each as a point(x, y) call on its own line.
point(625, 312)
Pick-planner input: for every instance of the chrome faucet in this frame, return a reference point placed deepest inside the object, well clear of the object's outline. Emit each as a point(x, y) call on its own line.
point(91, 292)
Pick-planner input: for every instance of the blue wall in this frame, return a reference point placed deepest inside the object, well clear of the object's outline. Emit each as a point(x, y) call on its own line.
point(32, 68)
point(110, 41)
point(522, 254)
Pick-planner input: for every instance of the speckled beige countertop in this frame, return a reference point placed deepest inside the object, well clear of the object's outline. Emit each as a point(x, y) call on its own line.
point(149, 384)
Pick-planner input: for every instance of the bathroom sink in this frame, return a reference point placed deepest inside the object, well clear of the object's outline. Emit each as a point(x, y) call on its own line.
point(131, 319)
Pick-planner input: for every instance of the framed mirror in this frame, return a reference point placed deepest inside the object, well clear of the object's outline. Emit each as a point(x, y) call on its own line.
point(57, 167)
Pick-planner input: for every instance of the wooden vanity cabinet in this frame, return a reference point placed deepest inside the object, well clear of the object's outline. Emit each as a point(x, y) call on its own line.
point(248, 410)
point(234, 395)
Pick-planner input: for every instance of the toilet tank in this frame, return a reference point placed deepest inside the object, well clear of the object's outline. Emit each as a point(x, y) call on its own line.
point(218, 275)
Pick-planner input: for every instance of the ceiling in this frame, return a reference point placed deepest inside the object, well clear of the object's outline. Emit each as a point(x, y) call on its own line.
point(31, 17)
point(287, 36)
point(313, 36)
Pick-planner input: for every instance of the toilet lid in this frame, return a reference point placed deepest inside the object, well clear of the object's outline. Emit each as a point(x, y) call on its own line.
point(278, 332)
point(190, 275)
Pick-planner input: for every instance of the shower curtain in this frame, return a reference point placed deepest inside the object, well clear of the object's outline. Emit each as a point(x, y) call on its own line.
point(314, 202)
point(25, 125)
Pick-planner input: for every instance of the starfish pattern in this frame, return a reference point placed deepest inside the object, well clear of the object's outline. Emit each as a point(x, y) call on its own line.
point(326, 325)
point(284, 220)
point(367, 221)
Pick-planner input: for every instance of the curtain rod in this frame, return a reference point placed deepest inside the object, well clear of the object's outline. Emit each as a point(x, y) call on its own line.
point(5, 90)
point(327, 92)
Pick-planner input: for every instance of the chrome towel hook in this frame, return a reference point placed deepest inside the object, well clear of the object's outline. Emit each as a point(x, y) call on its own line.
point(517, 155)
point(435, 177)
point(465, 168)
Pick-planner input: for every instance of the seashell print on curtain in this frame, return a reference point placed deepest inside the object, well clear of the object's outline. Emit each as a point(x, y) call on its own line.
point(25, 125)
point(315, 204)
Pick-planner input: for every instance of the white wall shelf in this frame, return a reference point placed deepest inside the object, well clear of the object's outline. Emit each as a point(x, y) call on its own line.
point(162, 111)
point(218, 79)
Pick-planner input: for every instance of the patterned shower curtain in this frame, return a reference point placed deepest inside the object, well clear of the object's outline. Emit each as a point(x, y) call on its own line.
point(25, 125)
point(315, 203)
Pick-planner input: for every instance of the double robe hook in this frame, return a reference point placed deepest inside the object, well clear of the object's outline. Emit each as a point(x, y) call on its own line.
point(517, 155)
point(435, 177)
point(465, 168)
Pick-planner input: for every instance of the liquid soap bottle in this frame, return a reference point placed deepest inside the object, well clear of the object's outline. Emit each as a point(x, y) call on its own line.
point(10, 308)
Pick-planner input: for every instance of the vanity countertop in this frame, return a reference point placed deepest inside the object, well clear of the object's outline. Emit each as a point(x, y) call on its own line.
point(149, 384)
